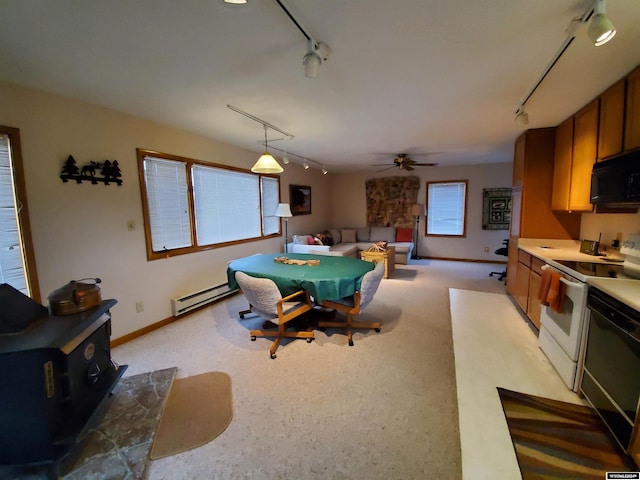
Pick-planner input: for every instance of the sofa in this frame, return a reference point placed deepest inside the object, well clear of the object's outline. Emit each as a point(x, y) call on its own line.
point(349, 242)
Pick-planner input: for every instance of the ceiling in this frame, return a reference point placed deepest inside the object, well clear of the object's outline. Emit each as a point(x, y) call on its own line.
point(413, 76)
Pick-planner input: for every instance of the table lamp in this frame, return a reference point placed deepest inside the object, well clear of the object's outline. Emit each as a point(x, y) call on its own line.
point(417, 209)
point(283, 211)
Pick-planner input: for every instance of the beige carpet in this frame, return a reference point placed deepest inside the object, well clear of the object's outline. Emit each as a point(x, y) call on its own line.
point(384, 408)
point(198, 409)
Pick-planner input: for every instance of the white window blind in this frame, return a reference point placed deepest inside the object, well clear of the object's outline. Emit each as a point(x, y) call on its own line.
point(446, 208)
point(168, 203)
point(226, 203)
point(270, 197)
point(11, 260)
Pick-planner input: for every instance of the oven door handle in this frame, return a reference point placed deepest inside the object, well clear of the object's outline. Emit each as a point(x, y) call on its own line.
point(572, 284)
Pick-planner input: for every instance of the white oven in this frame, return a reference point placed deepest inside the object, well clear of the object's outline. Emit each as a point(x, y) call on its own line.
point(563, 334)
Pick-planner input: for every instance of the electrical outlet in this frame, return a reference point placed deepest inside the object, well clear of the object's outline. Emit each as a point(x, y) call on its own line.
point(139, 307)
point(486, 249)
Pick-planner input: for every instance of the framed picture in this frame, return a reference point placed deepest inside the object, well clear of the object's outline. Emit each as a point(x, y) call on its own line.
point(300, 199)
point(496, 208)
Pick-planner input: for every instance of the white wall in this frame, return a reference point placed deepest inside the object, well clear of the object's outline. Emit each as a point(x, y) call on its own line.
point(80, 230)
point(609, 225)
point(349, 208)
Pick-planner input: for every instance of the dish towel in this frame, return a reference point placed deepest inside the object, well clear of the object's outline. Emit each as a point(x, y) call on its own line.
point(552, 290)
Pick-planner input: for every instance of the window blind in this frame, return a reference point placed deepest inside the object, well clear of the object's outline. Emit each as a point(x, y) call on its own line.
point(11, 260)
point(270, 197)
point(168, 203)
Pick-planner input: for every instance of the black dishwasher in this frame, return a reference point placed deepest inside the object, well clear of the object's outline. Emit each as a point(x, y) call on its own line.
point(611, 382)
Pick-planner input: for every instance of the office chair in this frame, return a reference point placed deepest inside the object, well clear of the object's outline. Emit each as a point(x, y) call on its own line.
point(505, 252)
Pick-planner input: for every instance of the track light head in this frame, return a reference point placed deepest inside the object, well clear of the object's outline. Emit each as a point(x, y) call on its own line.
point(316, 54)
point(285, 159)
point(522, 117)
point(305, 164)
point(324, 170)
point(600, 30)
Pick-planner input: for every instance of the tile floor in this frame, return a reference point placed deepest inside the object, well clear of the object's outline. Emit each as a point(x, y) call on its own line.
point(494, 347)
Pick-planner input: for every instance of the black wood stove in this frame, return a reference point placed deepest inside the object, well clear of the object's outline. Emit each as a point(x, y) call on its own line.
point(55, 371)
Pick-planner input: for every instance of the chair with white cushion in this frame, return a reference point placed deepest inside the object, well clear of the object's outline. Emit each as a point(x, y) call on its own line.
point(355, 304)
point(266, 301)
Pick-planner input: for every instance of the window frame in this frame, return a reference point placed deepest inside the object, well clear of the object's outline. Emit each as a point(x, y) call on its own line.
point(24, 224)
point(465, 211)
point(190, 162)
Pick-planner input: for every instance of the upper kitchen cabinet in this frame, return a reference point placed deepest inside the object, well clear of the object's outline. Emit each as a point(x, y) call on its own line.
point(632, 119)
point(562, 166)
point(611, 120)
point(574, 160)
point(531, 213)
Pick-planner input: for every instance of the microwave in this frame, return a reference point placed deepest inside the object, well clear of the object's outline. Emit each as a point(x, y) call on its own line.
point(615, 182)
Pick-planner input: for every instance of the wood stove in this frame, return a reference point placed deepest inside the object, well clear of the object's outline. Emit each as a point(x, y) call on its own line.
point(55, 371)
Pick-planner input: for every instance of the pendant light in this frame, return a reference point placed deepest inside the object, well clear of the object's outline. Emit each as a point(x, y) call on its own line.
point(266, 163)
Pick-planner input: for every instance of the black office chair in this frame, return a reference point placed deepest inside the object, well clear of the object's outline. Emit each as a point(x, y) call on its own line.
point(505, 252)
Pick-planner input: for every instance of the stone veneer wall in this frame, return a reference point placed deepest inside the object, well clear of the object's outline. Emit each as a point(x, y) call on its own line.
point(389, 201)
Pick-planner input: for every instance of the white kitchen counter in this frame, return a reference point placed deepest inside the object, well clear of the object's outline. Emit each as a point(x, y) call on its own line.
point(624, 289)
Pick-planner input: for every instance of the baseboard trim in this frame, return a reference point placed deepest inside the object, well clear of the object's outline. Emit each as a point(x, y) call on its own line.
point(462, 260)
point(162, 323)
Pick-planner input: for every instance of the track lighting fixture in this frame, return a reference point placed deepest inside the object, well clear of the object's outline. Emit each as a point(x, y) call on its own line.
point(266, 163)
point(285, 159)
point(324, 170)
point(316, 54)
point(600, 30)
point(236, 2)
point(305, 164)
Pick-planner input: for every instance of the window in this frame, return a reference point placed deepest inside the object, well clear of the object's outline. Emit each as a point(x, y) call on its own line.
point(446, 208)
point(17, 259)
point(190, 205)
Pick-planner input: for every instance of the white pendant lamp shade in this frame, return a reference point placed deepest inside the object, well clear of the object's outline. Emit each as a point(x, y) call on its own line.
point(267, 164)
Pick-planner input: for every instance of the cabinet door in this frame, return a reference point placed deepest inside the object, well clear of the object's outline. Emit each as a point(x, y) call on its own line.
point(611, 120)
point(585, 144)
point(533, 307)
point(632, 120)
point(519, 155)
point(562, 166)
point(522, 286)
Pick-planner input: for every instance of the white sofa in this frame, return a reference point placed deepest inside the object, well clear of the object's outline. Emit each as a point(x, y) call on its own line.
point(363, 238)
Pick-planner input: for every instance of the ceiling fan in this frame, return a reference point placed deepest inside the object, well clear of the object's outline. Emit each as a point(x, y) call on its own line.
point(404, 162)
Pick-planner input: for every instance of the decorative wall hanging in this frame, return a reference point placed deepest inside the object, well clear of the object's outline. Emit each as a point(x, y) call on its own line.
point(496, 208)
point(389, 201)
point(300, 199)
point(110, 172)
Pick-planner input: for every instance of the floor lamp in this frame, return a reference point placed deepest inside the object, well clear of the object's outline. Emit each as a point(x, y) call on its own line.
point(284, 211)
point(417, 209)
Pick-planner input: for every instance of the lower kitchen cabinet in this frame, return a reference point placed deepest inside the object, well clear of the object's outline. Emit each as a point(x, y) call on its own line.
point(521, 293)
point(524, 285)
point(533, 304)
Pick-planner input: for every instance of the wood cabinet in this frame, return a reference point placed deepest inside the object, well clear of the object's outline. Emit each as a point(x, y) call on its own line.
point(533, 303)
point(611, 122)
point(521, 293)
point(531, 213)
point(632, 116)
point(585, 151)
point(562, 166)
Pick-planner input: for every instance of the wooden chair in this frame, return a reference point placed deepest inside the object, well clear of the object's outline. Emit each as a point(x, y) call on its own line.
point(266, 301)
point(354, 305)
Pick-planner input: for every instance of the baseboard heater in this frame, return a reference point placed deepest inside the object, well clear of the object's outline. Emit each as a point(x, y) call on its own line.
point(191, 301)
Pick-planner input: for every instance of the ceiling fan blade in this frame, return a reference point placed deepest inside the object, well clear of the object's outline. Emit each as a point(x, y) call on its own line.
point(384, 169)
point(381, 165)
point(425, 164)
point(408, 168)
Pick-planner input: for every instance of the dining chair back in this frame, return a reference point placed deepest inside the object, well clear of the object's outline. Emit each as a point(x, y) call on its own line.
point(353, 305)
point(265, 300)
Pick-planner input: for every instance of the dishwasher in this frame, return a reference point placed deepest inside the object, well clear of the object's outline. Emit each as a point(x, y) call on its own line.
point(611, 380)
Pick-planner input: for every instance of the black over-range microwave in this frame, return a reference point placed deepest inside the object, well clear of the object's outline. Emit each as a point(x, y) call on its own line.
point(615, 182)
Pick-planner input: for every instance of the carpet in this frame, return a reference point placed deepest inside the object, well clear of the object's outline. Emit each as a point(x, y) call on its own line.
point(117, 440)
point(198, 409)
point(556, 440)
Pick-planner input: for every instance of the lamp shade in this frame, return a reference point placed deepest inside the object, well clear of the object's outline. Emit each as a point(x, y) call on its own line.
point(417, 209)
point(267, 164)
point(283, 210)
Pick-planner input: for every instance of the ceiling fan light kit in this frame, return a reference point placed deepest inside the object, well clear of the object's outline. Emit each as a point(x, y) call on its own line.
point(600, 31)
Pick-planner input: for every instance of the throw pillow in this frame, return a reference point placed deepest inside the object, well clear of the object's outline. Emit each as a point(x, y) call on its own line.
point(363, 234)
point(336, 236)
point(325, 238)
point(404, 235)
point(348, 236)
point(383, 234)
